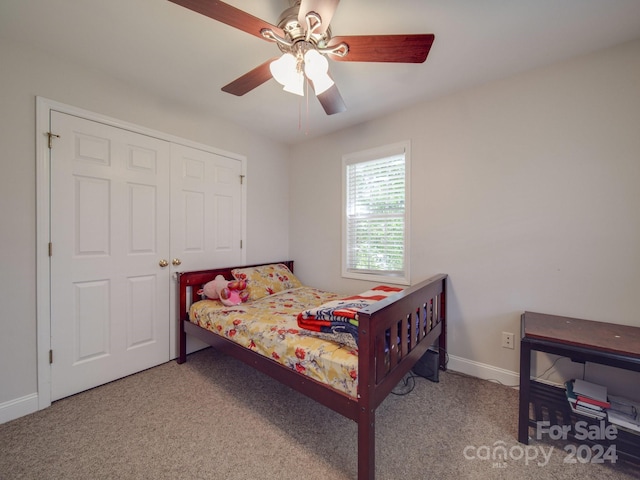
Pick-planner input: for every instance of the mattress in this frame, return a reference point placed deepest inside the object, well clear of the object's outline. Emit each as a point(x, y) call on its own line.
point(269, 327)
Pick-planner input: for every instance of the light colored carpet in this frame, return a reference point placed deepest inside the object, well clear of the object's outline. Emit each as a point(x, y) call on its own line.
point(215, 418)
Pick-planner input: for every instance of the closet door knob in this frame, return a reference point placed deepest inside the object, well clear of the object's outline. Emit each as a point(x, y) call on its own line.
point(176, 261)
point(163, 263)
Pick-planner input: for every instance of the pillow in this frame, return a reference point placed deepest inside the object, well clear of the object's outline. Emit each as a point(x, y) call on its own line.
point(266, 279)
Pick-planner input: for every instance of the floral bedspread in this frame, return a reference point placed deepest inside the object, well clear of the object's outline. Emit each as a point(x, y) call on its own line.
point(269, 326)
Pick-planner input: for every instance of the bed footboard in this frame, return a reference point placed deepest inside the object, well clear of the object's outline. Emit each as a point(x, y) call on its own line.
point(392, 336)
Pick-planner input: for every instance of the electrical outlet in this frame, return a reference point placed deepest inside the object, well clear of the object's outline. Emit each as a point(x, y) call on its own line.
point(508, 340)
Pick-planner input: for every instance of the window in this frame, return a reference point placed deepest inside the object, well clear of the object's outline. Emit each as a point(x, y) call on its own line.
point(375, 230)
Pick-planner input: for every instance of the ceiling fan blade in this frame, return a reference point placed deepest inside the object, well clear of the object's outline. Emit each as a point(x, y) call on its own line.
point(324, 8)
point(332, 101)
point(384, 48)
point(250, 80)
point(229, 15)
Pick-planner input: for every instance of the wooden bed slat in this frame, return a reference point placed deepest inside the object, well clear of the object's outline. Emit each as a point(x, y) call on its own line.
point(414, 327)
point(405, 335)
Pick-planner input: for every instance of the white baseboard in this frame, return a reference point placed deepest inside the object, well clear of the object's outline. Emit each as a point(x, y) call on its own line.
point(483, 371)
point(18, 407)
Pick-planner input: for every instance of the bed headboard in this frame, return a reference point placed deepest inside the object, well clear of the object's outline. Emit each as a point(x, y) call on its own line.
point(190, 282)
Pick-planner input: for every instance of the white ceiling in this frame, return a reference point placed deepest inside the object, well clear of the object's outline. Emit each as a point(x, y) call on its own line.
point(186, 57)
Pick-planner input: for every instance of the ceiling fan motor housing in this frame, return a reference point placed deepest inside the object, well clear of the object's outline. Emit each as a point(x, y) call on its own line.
point(295, 32)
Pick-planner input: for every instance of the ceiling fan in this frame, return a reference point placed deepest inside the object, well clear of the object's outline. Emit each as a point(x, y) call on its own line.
point(304, 37)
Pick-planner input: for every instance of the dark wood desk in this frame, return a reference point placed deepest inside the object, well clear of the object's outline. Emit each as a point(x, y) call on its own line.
point(582, 341)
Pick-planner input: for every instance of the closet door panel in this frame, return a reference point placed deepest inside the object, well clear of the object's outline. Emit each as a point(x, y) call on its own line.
point(109, 230)
point(206, 214)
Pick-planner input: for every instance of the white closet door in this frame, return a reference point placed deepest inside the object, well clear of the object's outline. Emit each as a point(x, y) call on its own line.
point(206, 216)
point(110, 308)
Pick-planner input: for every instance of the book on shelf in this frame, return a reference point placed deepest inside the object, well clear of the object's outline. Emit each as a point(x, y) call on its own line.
point(580, 406)
point(590, 406)
point(590, 391)
point(624, 421)
point(624, 413)
point(588, 412)
point(593, 402)
point(624, 405)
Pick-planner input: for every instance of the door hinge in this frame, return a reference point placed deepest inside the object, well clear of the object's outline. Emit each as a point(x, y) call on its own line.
point(50, 249)
point(51, 135)
point(242, 179)
point(240, 244)
point(50, 356)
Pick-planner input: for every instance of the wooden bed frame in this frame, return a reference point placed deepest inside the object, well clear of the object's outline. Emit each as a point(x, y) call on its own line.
point(419, 310)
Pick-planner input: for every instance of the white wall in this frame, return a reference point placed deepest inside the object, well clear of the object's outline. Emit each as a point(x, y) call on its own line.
point(525, 191)
point(27, 73)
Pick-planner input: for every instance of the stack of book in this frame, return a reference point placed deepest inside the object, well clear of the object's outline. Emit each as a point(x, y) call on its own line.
point(588, 399)
point(591, 400)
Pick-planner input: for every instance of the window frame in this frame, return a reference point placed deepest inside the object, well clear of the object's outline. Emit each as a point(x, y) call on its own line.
point(378, 153)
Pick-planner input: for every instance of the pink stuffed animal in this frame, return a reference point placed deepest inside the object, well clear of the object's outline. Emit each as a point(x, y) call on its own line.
point(228, 292)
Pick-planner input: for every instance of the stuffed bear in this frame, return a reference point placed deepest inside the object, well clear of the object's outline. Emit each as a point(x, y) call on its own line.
point(228, 292)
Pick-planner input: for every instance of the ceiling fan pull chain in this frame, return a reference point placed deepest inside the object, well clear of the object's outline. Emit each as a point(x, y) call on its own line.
point(308, 116)
point(301, 118)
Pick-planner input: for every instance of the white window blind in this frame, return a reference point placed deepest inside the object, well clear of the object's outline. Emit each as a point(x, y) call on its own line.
point(376, 219)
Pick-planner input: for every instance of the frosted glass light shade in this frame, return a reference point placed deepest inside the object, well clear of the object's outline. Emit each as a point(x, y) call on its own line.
point(285, 71)
point(316, 68)
point(284, 68)
point(295, 84)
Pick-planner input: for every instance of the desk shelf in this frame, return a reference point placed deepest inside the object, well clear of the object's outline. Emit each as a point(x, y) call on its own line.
point(582, 341)
point(549, 403)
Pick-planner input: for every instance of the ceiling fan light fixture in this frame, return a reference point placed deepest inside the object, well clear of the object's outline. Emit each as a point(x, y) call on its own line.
point(316, 68)
point(295, 84)
point(284, 69)
point(304, 28)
